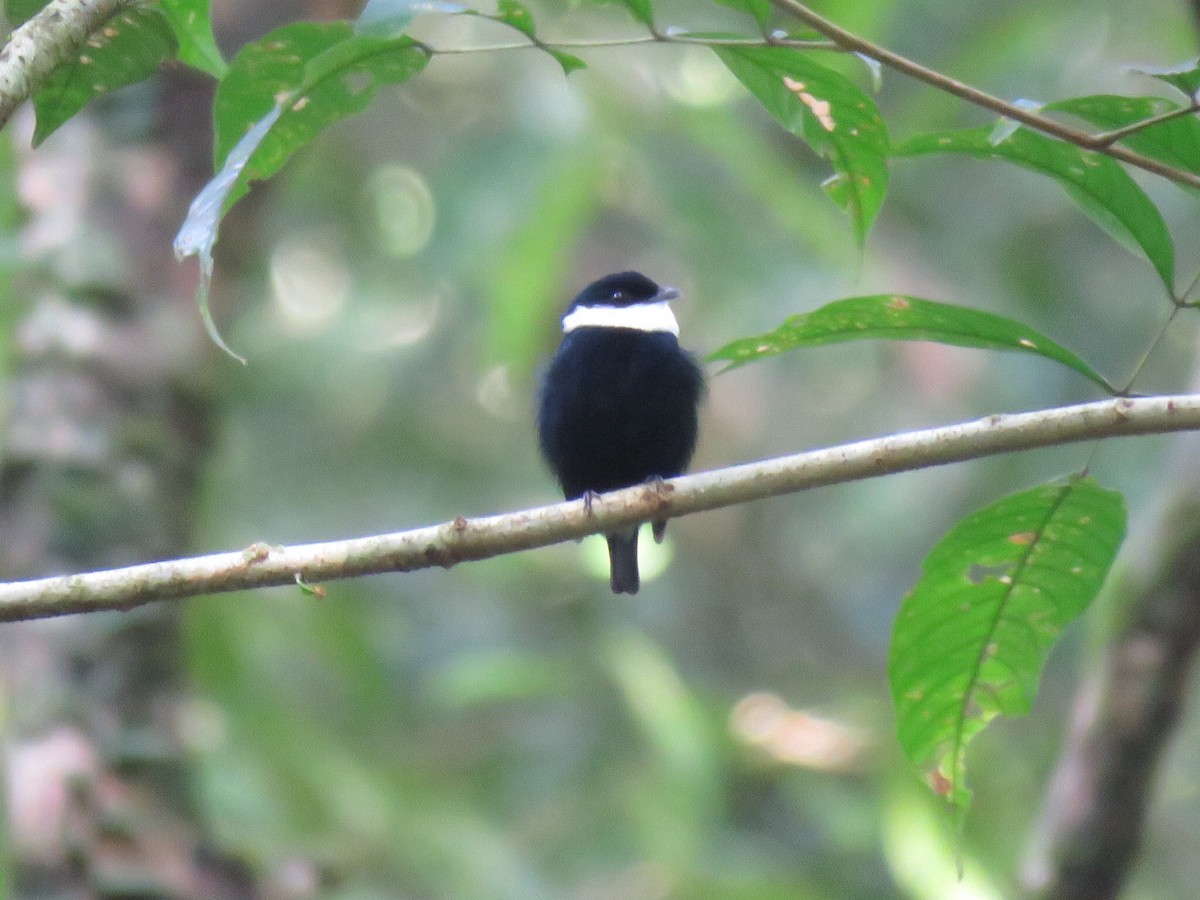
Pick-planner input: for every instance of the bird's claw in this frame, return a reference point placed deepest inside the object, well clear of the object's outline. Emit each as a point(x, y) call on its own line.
point(589, 497)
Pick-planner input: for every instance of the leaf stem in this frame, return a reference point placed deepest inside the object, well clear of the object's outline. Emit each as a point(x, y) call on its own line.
point(1106, 138)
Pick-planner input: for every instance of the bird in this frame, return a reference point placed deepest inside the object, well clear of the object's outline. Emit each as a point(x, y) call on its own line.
point(619, 402)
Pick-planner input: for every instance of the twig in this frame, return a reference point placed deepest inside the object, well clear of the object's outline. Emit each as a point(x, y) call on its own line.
point(1104, 138)
point(668, 37)
point(49, 39)
point(467, 539)
point(1098, 143)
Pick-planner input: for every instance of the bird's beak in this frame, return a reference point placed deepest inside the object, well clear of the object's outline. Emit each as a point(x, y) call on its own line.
point(667, 293)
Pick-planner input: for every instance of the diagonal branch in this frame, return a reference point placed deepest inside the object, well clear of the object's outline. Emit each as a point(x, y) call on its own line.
point(51, 38)
point(1119, 134)
point(1102, 143)
point(467, 539)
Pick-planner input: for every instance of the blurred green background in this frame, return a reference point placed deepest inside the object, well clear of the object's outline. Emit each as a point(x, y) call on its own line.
point(509, 728)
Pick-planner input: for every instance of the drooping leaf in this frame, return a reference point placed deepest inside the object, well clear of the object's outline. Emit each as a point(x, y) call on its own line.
point(1175, 142)
point(639, 9)
point(830, 113)
point(1184, 77)
point(318, 74)
point(198, 234)
point(278, 95)
point(1097, 184)
point(126, 50)
point(972, 637)
point(902, 318)
point(191, 20)
point(759, 9)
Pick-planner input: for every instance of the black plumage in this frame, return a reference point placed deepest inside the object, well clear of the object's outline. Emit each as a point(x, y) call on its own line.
point(619, 404)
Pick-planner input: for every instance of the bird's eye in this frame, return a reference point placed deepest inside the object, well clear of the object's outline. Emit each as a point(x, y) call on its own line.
point(618, 296)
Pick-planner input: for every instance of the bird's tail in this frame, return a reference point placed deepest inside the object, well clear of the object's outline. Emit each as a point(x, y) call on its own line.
point(623, 560)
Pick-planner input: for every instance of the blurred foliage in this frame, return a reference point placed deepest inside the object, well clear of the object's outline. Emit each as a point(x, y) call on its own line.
point(508, 728)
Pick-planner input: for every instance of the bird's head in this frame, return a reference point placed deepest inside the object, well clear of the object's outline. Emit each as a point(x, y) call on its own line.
point(623, 300)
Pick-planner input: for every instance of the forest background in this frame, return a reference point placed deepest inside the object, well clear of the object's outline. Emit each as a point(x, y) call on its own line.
point(507, 728)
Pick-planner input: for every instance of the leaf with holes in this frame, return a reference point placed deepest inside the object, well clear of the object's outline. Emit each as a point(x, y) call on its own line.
point(902, 318)
point(191, 20)
point(1098, 185)
point(830, 113)
point(129, 48)
point(971, 638)
point(1175, 142)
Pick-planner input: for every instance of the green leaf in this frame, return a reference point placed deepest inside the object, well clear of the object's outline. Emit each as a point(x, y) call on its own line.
point(191, 20)
point(1175, 142)
point(902, 318)
point(128, 49)
point(1097, 184)
point(278, 95)
point(639, 9)
point(971, 639)
point(671, 718)
point(829, 112)
point(537, 258)
point(569, 62)
point(759, 9)
point(318, 74)
point(515, 15)
point(1184, 77)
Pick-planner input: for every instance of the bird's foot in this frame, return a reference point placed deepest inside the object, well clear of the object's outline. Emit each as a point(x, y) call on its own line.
point(662, 493)
point(589, 497)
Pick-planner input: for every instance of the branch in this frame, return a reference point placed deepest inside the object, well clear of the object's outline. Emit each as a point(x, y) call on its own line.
point(1101, 143)
point(1094, 815)
point(51, 38)
point(533, 42)
point(463, 539)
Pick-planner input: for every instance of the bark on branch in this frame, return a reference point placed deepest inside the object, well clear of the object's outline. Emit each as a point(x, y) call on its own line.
point(51, 38)
point(464, 539)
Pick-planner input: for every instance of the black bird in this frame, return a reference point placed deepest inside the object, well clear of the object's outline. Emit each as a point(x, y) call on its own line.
point(619, 402)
